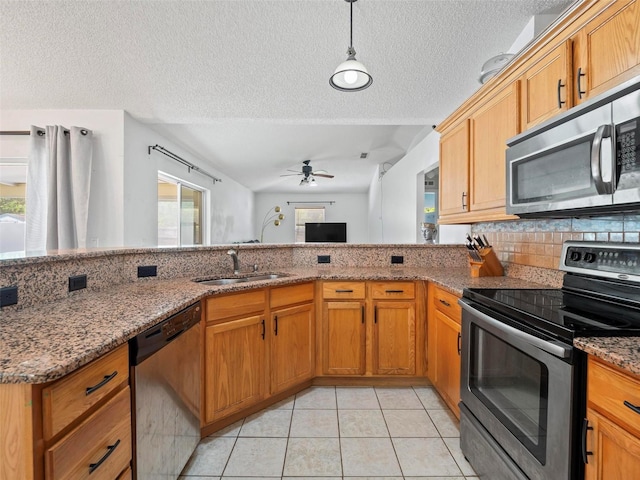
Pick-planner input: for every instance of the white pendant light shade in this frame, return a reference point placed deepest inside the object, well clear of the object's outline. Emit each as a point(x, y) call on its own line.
point(351, 75)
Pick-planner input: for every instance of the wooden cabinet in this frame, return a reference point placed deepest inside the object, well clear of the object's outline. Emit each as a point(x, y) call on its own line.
point(547, 86)
point(454, 171)
point(613, 415)
point(607, 50)
point(293, 338)
point(374, 332)
point(491, 126)
point(258, 343)
point(76, 427)
point(443, 344)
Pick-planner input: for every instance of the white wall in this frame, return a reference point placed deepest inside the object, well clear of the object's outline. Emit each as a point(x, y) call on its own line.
point(229, 206)
point(105, 227)
point(348, 207)
point(395, 204)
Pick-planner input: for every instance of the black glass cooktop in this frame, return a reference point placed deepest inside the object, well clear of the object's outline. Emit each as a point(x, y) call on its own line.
point(561, 313)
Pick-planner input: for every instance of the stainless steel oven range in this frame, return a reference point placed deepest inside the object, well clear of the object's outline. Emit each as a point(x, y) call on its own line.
point(522, 382)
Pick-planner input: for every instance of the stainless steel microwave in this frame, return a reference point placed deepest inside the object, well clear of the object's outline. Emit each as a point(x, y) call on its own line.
point(586, 161)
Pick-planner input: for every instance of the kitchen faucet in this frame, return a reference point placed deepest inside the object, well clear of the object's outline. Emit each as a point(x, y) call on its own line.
point(236, 262)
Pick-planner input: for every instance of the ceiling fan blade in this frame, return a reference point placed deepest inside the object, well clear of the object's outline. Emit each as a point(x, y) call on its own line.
point(291, 174)
point(324, 175)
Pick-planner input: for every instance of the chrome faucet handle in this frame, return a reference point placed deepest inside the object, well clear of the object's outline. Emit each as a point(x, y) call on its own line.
point(232, 252)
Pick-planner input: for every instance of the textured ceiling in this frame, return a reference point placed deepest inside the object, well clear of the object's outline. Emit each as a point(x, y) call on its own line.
point(232, 69)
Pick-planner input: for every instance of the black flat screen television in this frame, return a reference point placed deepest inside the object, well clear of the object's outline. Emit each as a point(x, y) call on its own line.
point(325, 232)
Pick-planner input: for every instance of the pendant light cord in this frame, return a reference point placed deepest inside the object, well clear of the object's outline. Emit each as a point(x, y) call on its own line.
point(351, 27)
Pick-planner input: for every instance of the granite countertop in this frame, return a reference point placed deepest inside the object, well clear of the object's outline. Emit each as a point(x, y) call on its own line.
point(624, 352)
point(45, 342)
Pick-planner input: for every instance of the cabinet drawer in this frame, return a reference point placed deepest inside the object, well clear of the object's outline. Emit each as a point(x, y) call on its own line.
point(609, 389)
point(392, 290)
point(236, 304)
point(291, 294)
point(68, 398)
point(447, 303)
point(335, 290)
point(100, 448)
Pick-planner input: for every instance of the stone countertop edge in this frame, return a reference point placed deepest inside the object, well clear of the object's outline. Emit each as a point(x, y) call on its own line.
point(43, 343)
point(623, 352)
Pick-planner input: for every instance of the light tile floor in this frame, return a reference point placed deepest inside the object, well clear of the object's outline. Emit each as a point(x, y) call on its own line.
point(337, 433)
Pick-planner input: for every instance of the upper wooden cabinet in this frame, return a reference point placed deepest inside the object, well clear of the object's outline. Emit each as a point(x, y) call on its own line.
point(593, 48)
point(491, 126)
point(454, 170)
point(607, 50)
point(547, 86)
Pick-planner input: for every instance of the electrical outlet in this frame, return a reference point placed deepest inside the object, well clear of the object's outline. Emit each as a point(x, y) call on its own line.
point(77, 283)
point(148, 271)
point(8, 296)
point(324, 258)
point(396, 259)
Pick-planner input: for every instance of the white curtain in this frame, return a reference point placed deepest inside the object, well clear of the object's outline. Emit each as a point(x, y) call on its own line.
point(58, 187)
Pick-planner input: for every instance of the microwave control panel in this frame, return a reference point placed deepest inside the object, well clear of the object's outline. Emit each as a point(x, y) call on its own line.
point(628, 147)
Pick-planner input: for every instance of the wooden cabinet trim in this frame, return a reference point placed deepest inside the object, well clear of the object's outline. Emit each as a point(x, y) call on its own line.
point(291, 294)
point(232, 305)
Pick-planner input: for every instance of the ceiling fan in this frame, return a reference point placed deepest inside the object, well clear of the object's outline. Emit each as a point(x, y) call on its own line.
point(308, 174)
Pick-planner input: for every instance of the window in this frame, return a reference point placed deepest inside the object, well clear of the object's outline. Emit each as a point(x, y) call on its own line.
point(304, 215)
point(180, 213)
point(13, 193)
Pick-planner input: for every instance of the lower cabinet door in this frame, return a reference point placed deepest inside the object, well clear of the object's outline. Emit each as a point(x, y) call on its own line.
point(99, 448)
point(448, 342)
point(343, 332)
point(615, 453)
point(394, 338)
point(235, 366)
point(292, 352)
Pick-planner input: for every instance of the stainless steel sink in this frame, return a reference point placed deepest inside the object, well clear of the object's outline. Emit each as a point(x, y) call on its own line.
point(253, 278)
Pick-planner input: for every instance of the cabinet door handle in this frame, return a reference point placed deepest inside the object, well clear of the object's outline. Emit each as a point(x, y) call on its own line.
point(105, 380)
point(275, 330)
point(362, 313)
point(264, 329)
point(375, 314)
point(464, 196)
point(110, 449)
point(560, 86)
point(585, 453)
point(343, 290)
point(580, 91)
point(394, 291)
point(459, 343)
point(632, 407)
point(444, 302)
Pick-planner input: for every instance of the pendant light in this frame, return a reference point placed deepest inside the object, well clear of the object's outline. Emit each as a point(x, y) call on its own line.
point(351, 75)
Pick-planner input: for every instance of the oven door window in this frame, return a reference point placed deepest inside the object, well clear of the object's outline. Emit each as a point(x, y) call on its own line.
point(513, 386)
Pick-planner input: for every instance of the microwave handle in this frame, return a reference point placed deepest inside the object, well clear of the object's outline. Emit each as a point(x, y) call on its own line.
point(602, 187)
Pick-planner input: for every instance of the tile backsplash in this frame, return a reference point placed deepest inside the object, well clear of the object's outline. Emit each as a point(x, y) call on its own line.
point(539, 242)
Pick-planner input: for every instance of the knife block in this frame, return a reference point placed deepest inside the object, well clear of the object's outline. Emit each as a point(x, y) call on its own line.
point(489, 267)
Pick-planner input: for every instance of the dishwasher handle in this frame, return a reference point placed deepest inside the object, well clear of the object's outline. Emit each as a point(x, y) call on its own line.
point(145, 344)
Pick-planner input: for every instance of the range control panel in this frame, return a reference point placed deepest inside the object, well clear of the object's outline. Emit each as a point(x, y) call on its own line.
point(613, 260)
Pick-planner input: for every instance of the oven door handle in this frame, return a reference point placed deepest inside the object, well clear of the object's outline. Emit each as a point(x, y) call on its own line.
point(550, 346)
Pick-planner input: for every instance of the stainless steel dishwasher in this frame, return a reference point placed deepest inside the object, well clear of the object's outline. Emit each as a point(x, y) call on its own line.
point(165, 373)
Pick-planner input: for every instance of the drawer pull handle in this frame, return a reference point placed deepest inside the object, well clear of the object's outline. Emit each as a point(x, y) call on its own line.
point(394, 291)
point(375, 314)
point(343, 290)
point(459, 343)
point(264, 329)
point(105, 380)
point(585, 453)
point(632, 407)
point(110, 449)
point(275, 330)
point(362, 313)
point(444, 302)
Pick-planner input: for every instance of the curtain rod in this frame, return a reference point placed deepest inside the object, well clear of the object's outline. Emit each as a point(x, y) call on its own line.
point(41, 133)
point(181, 160)
point(331, 202)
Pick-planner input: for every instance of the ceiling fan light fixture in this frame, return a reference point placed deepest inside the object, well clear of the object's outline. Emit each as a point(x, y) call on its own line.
point(313, 183)
point(304, 182)
point(351, 75)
